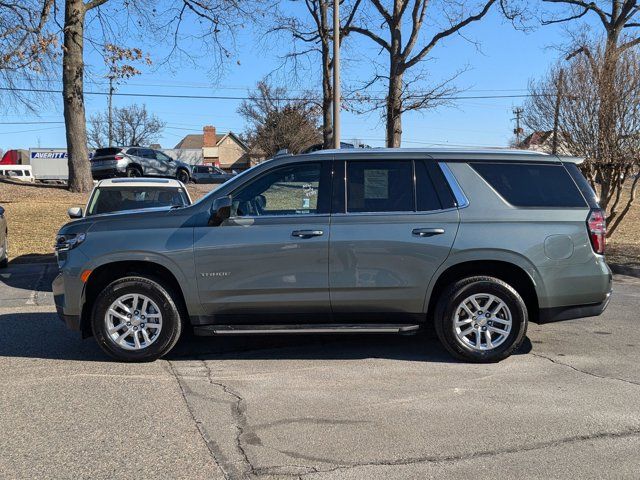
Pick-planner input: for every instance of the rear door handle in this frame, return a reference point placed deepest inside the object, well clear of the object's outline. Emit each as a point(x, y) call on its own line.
point(427, 232)
point(307, 233)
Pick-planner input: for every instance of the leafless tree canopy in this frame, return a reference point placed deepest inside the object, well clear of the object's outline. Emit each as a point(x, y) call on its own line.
point(132, 125)
point(398, 30)
point(610, 169)
point(27, 46)
point(275, 123)
point(312, 35)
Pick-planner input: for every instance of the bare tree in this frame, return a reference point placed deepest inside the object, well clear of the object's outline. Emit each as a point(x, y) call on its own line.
point(276, 123)
point(315, 32)
point(26, 46)
point(406, 52)
point(620, 23)
point(216, 20)
point(132, 125)
point(580, 125)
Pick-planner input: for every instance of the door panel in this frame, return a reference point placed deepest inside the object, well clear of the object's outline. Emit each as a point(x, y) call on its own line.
point(377, 263)
point(271, 255)
point(257, 266)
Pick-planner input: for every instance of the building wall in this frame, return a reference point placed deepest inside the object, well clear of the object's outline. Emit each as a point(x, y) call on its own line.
point(232, 155)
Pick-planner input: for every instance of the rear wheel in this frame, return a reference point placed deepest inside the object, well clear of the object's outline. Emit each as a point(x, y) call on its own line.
point(135, 319)
point(481, 319)
point(133, 172)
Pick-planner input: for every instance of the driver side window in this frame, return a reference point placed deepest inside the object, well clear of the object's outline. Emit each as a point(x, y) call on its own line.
point(289, 190)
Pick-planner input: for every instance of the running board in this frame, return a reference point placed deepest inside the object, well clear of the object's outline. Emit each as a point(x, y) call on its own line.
point(208, 330)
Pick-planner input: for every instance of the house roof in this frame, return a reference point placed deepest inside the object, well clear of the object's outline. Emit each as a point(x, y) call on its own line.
point(196, 140)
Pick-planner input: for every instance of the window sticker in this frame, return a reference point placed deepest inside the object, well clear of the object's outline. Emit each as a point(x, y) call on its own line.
point(309, 190)
point(376, 184)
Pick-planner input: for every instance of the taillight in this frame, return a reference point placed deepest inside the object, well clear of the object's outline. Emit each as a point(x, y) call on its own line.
point(597, 226)
point(119, 156)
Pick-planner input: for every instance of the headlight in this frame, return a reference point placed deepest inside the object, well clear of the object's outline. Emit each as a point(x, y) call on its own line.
point(69, 241)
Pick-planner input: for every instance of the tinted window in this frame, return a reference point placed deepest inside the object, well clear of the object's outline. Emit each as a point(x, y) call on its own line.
point(426, 195)
point(291, 190)
point(380, 186)
point(583, 184)
point(132, 151)
point(146, 153)
point(532, 185)
point(112, 199)
point(162, 156)
point(107, 152)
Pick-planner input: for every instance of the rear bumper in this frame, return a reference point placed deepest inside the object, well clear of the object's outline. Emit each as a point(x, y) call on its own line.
point(557, 314)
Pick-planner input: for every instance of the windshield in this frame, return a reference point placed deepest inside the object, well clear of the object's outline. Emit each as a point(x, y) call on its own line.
point(116, 199)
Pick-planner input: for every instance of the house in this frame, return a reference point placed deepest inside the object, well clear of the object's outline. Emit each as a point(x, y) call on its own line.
point(541, 141)
point(226, 150)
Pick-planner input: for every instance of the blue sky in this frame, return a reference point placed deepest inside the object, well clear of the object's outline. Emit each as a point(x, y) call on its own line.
point(507, 59)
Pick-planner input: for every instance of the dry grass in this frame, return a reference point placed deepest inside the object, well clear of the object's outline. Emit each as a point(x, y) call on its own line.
point(35, 213)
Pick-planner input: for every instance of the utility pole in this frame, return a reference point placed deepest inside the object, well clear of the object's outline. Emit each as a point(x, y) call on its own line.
point(556, 112)
point(110, 120)
point(336, 73)
point(518, 111)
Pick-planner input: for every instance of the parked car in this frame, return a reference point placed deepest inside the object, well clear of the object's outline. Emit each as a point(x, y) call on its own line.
point(137, 162)
point(119, 194)
point(4, 234)
point(209, 174)
point(24, 173)
point(476, 243)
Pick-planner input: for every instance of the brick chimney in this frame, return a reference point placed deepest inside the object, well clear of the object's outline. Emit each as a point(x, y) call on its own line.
point(209, 137)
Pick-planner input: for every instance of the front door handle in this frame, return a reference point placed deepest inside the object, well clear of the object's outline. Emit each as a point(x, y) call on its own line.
point(307, 233)
point(427, 232)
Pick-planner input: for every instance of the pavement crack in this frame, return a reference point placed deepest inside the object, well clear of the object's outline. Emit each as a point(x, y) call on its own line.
point(238, 410)
point(585, 372)
point(214, 451)
point(482, 454)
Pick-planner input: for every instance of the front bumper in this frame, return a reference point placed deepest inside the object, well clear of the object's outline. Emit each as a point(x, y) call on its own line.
point(557, 314)
point(71, 319)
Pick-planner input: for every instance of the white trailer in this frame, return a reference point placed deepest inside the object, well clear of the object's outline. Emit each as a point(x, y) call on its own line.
point(49, 163)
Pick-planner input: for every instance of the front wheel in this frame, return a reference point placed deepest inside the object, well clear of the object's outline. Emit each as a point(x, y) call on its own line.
point(183, 176)
point(135, 319)
point(481, 319)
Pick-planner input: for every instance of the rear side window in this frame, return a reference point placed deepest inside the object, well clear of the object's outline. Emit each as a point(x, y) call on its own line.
point(377, 186)
point(583, 184)
point(532, 185)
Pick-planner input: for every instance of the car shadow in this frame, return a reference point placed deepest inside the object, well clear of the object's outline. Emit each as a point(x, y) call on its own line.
point(41, 335)
point(28, 276)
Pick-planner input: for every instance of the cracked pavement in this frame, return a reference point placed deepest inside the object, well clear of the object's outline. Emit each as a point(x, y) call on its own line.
point(317, 407)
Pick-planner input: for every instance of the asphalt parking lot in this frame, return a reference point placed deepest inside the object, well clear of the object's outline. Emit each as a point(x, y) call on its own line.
point(566, 406)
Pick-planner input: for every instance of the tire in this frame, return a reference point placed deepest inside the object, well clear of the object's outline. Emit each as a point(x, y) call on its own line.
point(182, 176)
point(133, 172)
point(488, 323)
point(160, 299)
point(4, 263)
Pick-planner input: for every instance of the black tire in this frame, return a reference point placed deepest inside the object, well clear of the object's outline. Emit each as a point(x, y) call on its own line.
point(182, 175)
point(454, 295)
point(133, 172)
point(161, 295)
point(4, 263)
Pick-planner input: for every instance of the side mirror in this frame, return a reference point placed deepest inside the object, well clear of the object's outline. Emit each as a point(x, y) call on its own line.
point(220, 210)
point(74, 212)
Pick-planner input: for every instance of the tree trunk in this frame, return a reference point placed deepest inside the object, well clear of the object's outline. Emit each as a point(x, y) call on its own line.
point(327, 99)
point(394, 107)
point(80, 179)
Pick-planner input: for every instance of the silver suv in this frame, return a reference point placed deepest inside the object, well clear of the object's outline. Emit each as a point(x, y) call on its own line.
point(475, 243)
point(137, 162)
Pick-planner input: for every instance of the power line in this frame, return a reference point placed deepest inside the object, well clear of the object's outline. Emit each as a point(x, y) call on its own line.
point(244, 97)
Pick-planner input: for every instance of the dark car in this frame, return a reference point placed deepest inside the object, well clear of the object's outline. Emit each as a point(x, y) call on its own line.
point(209, 174)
